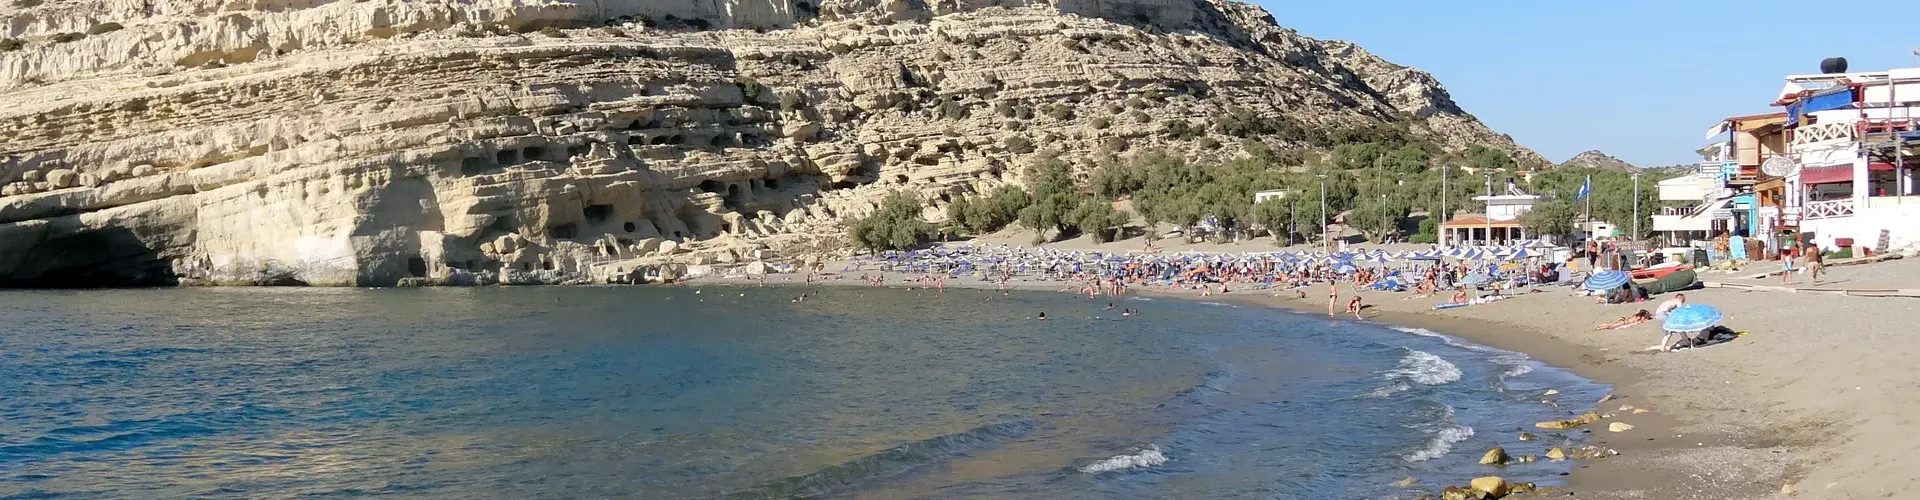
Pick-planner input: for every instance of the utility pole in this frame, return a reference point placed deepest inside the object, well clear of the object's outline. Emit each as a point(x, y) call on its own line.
point(1443, 202)
point(1324, 242)
point(1489, 210)
point(1636, 206)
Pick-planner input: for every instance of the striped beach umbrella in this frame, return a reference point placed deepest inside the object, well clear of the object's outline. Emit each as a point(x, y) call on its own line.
point(1607, 279)
point(1691, 318)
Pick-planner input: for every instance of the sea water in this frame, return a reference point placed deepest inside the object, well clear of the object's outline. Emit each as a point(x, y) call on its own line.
point(740, 392)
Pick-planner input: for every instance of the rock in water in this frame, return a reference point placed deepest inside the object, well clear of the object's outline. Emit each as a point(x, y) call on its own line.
point(1619, 427)
point(1490, 486)
point(390, 139)
point(1496, 456)
point(1550, 392)
point(1406, 483)
point(1528, 436)
point(1556, 454)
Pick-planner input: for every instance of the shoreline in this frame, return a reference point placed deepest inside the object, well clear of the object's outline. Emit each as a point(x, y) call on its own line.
point(1670, 452)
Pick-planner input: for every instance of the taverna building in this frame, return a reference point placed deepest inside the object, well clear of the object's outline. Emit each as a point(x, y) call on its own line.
point(1835, 168)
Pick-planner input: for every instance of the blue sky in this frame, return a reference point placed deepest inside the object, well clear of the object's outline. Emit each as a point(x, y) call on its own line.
point(1638, 79)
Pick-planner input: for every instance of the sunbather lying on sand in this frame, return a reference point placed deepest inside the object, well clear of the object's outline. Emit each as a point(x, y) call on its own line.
point(1627, 322)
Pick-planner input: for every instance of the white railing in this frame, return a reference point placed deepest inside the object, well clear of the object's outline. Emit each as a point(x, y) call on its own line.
point(1828, 209)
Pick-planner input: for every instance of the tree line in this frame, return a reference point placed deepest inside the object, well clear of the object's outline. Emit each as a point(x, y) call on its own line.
point(1377, 181)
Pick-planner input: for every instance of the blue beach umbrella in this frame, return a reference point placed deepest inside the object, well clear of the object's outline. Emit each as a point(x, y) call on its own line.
point(1476, 279)
point(1691, 318)
point(1607, 280)
point(1344, 268)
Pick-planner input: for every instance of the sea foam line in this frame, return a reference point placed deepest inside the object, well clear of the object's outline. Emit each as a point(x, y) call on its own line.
point(1441, 443)
point(1517, 363)
point(1145, 457)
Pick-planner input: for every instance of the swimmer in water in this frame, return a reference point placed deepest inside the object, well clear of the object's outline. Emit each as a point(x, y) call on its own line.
point(1041, 317)
point(1109, 306)
point(1127, 312)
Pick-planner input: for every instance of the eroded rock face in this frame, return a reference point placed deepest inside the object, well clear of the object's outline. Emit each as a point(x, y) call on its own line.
point(362, 143)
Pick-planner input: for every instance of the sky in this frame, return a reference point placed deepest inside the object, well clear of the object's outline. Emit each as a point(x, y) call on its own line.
point(1641, 80)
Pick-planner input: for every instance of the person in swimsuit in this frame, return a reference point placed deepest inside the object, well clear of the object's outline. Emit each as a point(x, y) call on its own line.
point(1354, 306)
point(1786, 261)
point(1630, 321)
point(1333, 298)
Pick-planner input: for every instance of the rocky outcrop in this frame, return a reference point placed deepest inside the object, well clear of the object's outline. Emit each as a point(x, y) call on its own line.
point(1597, 159)
point(363, 143)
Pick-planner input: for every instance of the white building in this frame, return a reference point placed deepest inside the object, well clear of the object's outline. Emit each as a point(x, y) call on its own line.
point(1852, 136)
point(1500, 225)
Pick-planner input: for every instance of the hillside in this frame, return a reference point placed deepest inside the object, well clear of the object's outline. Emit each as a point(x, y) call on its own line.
point(1597, 159)
point(361, 143)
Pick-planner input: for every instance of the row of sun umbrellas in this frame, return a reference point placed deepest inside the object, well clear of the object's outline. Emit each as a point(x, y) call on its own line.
point(967, 257)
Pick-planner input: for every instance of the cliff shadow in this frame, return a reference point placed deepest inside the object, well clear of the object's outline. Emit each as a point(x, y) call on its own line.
point(99, 258)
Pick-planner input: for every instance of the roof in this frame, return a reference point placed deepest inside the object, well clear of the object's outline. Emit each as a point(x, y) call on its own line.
point(1479, 221)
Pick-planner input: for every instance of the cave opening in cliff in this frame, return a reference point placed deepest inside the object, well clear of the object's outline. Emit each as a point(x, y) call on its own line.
point(507, 156)
point(416, 267)
point(902, 178)
point(473, 166)
point(629, 227)
point(773, 184)
point(536, 153)
point(733, 199)
point(598, 213)
point(564, 231)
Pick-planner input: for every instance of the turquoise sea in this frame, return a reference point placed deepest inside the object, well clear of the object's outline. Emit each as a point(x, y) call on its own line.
point(739, 392)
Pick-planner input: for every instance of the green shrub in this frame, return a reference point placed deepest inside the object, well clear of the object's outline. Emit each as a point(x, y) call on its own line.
point(10, 44)
point(839, 49)
point(104, 28)
point(552, 32)
point(1102, 123)
point(1844, 253)
point(895, 226)
point(68, 37)
point(26, 3)
point(1058, 111)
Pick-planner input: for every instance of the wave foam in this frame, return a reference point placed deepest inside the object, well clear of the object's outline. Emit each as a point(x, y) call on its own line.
point(1425, 368)
point(1146, 457)
point(1517, 363)
point(1441, 443)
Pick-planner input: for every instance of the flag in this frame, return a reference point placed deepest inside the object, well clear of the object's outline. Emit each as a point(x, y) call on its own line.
point(1585, 187)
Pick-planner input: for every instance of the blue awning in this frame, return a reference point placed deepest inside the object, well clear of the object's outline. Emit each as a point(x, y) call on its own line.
point(1829, 100)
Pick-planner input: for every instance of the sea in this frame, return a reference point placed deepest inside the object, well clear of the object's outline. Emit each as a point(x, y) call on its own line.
point(743, 392)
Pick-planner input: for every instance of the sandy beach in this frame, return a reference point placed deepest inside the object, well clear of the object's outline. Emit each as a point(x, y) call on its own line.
point(1808, 403)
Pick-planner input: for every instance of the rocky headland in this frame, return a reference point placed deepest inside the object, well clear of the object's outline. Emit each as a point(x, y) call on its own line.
point(372, 143)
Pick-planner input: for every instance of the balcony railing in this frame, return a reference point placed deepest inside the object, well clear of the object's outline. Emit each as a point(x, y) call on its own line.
point(1828, 209)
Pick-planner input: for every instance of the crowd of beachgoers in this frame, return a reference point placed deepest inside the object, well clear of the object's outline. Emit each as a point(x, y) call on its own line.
point(1456, 277)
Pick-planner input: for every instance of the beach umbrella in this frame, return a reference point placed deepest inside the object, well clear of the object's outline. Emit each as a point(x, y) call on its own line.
point(1691, 318)
point(1476, 279)
point(1607, 279)
point(1520, 254)
point(1345, 268)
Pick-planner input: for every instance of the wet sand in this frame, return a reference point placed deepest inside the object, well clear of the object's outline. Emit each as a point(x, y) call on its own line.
point(1815, 395)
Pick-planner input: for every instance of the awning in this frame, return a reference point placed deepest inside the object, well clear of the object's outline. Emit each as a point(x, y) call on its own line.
point(1827, 175)
point(1828, 100)
point(1830, 175)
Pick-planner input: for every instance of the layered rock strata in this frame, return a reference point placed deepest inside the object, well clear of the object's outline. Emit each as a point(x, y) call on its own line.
point(365, 143)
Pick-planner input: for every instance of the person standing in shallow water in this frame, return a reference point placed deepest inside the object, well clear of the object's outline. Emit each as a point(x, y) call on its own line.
point(1333, 298)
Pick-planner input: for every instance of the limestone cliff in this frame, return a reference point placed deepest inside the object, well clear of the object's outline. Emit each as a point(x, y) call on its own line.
point(360, 143)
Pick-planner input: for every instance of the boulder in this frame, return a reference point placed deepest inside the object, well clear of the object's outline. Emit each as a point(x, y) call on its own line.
point(1490, 486)
point(1585, 419)
point(61, 178)
point(1496, 456)
point(1556, 454)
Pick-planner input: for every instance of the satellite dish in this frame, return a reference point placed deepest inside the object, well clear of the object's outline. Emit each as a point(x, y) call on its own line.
point(1779, 166)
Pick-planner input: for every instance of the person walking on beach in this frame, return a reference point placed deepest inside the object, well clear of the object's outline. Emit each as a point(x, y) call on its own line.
point(1660, 313)
point(1814, 262)
point(1786, 261)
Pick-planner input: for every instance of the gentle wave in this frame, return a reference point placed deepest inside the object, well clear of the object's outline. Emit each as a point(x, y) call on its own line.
point(894, 461)
point(1442, 443)
point(1425, 368)
point(1418, 367)
point(1145, 457)
point(1517, 364)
